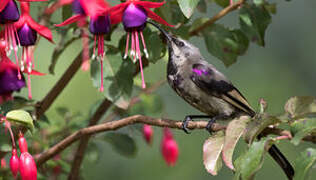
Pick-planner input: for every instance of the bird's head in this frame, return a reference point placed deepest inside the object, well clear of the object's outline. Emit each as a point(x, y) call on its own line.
point(179, 49)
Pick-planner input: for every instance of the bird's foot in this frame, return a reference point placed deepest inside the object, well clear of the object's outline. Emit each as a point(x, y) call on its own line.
point(185, 123)
point(210, 124)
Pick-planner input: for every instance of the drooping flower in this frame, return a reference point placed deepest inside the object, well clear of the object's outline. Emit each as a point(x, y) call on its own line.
point(100, 24)
point(27, 30)
point(169, 148)
point(27, 164)
point(79, 17)
point(133, 14)
point(3, 163)
point(9, 75)
point(14, 163)
point(148, 133)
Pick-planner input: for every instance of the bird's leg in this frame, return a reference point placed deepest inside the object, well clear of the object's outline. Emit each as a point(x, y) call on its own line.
point(190, 118)
point(213, 120)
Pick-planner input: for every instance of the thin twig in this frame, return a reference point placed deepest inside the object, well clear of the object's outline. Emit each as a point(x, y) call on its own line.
point(79, 155)
point(219, 15)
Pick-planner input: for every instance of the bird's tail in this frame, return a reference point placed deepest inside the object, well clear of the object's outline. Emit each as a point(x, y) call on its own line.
point(282, 161)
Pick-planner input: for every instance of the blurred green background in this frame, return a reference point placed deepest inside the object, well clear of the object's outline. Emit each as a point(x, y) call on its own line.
point(284, 68)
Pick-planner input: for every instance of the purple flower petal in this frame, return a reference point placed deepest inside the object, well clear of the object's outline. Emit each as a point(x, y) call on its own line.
point(9, 81)
point(10, 13)
point(134, 17)
point(27, 35)
point(100, 25)
point(77, 8)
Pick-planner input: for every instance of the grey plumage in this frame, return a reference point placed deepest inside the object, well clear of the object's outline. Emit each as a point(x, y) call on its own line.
point(200, 84)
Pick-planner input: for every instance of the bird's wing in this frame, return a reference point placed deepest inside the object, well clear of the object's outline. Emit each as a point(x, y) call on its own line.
point(216, 84)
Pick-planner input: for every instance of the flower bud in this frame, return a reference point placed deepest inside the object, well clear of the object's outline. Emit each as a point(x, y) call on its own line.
point(14, 163)
point(169, 148)
point(28, 168)
point(22, 143)
point(3, 163)
point(148, 133)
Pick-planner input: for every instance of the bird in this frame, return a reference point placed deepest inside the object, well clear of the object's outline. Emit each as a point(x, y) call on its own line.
point(208, 90)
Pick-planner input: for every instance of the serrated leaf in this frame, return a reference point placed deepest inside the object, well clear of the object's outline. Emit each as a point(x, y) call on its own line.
point(187, 7)
point(251, 161)
point(122, 144)
point(225, 44)
point(233, 133)
point(303, 163)
point(21, 117)
point(254, 20)
point(300, 106)
point(212, 149)
point(255, 127)
point(118, 79)
point(302, 127)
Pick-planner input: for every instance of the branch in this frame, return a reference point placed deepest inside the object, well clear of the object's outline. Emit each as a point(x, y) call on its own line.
point(78, 158)
point(218, 16)
point(114, 125)
point(47, 101)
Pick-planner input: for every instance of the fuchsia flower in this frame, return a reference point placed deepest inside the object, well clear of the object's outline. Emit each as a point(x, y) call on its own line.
point(27, 164)
point(3, 163)
point(133, 14)
point(169, 148)
point(100, 24)
point(9, 13)
point(27, 30)
point(80, 18)
point(148, 133)
point(9, 81)
point(14, 163)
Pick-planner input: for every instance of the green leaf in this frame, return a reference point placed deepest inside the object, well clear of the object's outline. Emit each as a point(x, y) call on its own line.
point(254, 20)
point(21, 117)
point(302, 127)
point(122, 144)
point(212, 149)
point(187, 7)
point(225, 44)
point(251, 161)
point(156, 48)
point(118, 79)
point(150, 105)
point(255, 127)
point(300, 106)
point(233, 133)
point(303, 163)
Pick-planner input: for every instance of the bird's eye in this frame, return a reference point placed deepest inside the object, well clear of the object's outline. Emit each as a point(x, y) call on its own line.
point(180, 44)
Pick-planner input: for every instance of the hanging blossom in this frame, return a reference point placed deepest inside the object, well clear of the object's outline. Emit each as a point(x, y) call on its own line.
point(9, 81)
point(169, 148)
point(79, 17)
point(133, 14)
point(27, 30)
point(100, 25)
point(9, 13)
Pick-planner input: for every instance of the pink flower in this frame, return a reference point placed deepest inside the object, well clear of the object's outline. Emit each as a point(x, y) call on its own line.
point(27, 30)
point(169, 148)
point(133, 14)
point(148, 133)
point(100, 24)
point(28, 168)
point(14, 163)
point(3, 163)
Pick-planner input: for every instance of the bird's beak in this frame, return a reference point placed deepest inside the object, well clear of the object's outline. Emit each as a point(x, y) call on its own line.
point(164, 32)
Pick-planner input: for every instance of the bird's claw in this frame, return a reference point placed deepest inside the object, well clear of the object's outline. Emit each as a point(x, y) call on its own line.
point(185, 125)
point(209, 125)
